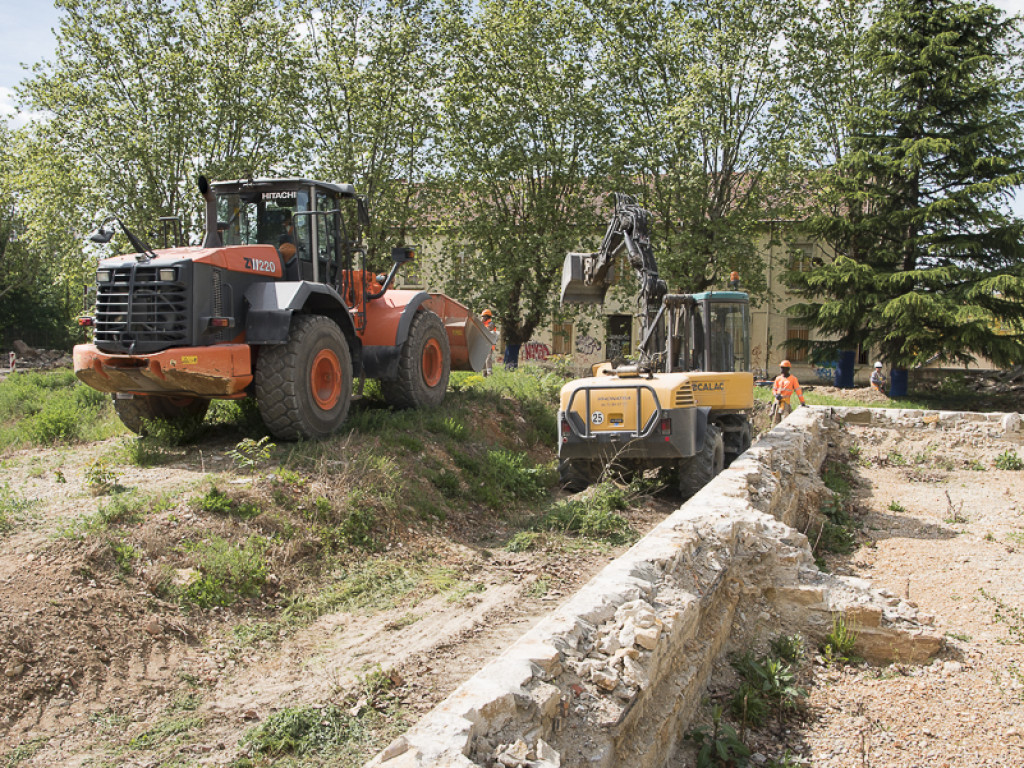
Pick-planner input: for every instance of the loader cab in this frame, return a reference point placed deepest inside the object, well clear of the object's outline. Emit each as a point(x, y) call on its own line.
point(720, 331)
point(304, 220)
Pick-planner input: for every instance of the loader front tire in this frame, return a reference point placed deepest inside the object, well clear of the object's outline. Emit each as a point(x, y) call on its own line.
point(575, 475)
point(697, 471)
point(183, 413)
point(424, 365)
point(304, 386)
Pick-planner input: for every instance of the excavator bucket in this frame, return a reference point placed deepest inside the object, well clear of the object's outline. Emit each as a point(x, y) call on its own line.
point(469, 341)
point(575, 289)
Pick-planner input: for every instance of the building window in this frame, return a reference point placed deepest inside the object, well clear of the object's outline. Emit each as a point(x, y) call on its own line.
point(561, 338)
point(618, 342)
point(794, 330)
point(802, 258)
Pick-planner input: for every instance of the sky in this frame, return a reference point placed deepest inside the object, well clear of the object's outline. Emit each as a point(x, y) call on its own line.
point(26, 37)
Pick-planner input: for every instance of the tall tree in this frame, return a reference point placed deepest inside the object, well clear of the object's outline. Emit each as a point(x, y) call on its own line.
point(928, 263)
point(522, 133)
point(370, 116)
point(704, 122)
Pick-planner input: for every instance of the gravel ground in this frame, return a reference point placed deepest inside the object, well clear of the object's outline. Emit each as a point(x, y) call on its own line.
point(945, 529)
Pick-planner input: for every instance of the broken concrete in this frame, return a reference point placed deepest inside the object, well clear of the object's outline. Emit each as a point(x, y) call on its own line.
point(615, 675)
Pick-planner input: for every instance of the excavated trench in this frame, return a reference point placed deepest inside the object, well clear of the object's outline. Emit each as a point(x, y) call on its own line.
point(615, 676)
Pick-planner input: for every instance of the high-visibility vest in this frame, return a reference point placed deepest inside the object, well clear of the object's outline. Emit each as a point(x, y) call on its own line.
point(786, 386)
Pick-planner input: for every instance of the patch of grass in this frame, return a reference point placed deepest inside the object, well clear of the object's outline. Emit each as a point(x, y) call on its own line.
point(226, 571)
point(539, 588)
point(375, 584)
point(524, 541)
point(1009, 615)
point(167, 732)
point(363, 723)
point(961, 636)
point(895, 506)
point(837, 647)
point(503, 476)
point(594, 516)
point(12, 758)
point(12, 507)
point(216, 502)
point(1009, 460)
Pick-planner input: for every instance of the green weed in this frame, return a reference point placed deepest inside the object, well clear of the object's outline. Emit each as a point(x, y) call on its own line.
point(1009, 615)
point(524, 541)
point(718, 745)
point(895, 506)
point(248, 454)
point(216, 502)
point(766, 681)
point(125, 556)
point(375, 584)
point(169, 731)
point(961, 636)
point(594, 516)
point(1009, 460)
point(226, 571)
point(788, 647)
point(12, 507)
point(503, 476)
point(896, 458)
point(837, 647)
point(19, 754)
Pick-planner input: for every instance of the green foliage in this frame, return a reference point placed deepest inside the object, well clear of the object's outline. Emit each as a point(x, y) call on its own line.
point(125, 556)
point(12, 507)
point(1009, 460)
point(788, 647)
point(52, 407)
point(927, 261)
point(216, 502)
point(226, 571)
point(502, 476)
point(895, 506)
point(1011, 616)
point(360, 724)
point(524, 541)
point(374, 584)
point(766, 680)
point(718, 746)
point(249, 453)
point(18, 755)
point(167, 731)
point(99, 475)
point(837, 647)
point(594, 516)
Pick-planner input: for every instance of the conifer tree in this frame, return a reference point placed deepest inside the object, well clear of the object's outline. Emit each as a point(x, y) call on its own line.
point(928, 262)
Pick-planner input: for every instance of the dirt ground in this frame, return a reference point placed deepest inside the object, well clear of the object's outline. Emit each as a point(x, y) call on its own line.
point(941, 526)
point(97, 670)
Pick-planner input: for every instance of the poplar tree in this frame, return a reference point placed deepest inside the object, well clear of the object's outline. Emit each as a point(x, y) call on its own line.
point(928, 261)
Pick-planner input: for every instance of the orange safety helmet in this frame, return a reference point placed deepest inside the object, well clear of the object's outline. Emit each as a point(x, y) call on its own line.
point(785, 364)
point(486, 313)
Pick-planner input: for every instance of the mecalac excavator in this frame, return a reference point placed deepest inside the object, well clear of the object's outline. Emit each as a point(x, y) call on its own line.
point(684, 402)
point(277, 304)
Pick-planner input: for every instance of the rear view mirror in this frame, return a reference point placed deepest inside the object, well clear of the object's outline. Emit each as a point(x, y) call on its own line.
point(102, 235)
point(363, 213)
point(403, 253)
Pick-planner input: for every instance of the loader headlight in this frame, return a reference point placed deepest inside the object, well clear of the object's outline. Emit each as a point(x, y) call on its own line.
point(103, 276)
point(168, 275)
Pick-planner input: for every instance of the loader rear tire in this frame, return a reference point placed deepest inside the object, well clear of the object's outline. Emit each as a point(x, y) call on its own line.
point(697, 471)
point(184, 413)
point(424, 365)
point(304, 386)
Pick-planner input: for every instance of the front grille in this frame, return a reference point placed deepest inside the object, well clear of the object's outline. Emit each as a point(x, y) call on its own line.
point(683, 397)
point(136, 313)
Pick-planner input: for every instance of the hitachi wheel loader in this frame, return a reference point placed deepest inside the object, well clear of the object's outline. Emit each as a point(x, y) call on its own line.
point(277, 304)
point(685, 402)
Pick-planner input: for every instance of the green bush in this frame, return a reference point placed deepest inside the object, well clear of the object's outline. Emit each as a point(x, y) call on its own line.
point(227, 571)
point(593, 517)
point(1009, 460)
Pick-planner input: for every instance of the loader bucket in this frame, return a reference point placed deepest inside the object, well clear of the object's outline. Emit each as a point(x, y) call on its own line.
point(575, 289)
point(468, 340)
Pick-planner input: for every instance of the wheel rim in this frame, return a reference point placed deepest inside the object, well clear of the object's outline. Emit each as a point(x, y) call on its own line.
point(432, 363)
point(325, 379)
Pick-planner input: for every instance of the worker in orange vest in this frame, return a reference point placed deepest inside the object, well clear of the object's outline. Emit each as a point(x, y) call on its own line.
point(785, 385)
point(487, 318)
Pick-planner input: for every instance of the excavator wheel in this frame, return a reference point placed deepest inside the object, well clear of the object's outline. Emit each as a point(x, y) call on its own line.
point(184, 413)
point(423, 367)
point(304, 386)
point(697, 471)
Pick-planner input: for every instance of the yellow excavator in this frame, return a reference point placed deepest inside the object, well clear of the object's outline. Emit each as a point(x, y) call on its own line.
point(684, 401)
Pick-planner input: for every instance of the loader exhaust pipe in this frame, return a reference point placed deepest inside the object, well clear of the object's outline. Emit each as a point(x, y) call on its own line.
point(212, 239)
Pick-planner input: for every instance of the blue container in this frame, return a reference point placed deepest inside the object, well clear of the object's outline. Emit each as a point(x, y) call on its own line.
point(898, 382)
point(844, 369)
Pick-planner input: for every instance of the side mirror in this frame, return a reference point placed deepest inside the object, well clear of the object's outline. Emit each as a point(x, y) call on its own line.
point(403, 253)
point(204, 185)
point(363, 213)
point(102, 235)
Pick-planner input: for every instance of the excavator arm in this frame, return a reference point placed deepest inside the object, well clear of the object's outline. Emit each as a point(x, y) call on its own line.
point(586, 277)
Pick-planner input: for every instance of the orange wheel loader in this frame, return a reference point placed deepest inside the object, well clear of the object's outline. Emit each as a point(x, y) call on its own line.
point(276, 304)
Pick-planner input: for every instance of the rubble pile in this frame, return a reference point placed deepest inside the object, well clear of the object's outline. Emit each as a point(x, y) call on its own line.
point(28, 358)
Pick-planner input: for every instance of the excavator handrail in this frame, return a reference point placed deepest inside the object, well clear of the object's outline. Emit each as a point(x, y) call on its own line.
point(633, 433)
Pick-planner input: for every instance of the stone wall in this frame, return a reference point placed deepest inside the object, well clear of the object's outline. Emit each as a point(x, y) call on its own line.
point(615, 675)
